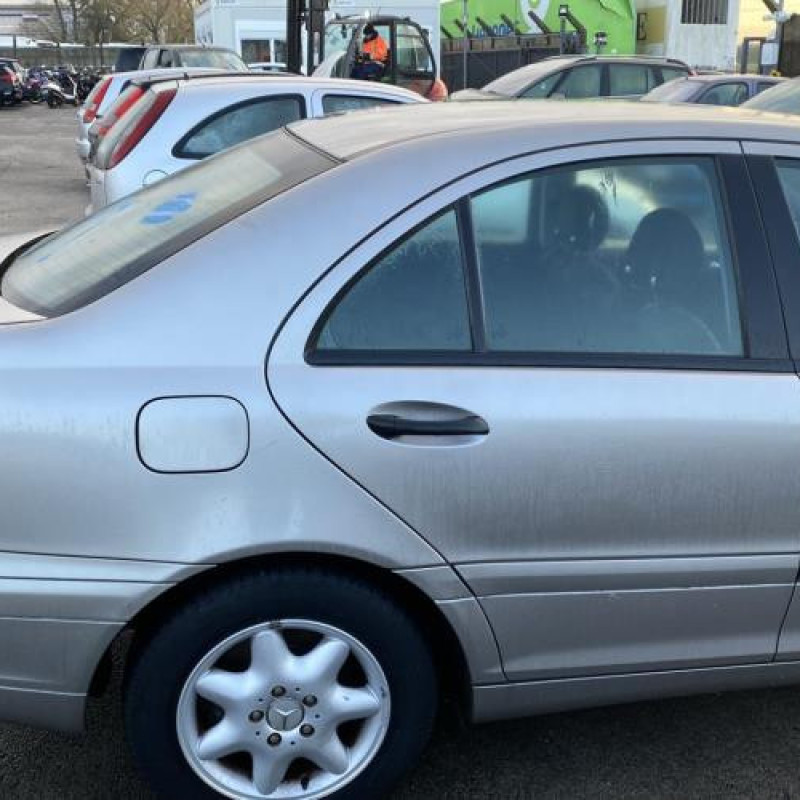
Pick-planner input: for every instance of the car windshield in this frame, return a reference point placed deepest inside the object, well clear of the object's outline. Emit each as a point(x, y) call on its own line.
point(338, 38)
point(677, 91)
point(103, 252)
point(511, 84)
point(783, 98)
point(218, 59)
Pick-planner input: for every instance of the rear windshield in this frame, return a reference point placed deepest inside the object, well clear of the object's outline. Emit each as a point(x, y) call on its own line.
point(675, 91)
point(103, 252)
point(783, 98)
point(218, 59)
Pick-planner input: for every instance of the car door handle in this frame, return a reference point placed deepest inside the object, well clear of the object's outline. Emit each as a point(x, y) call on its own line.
point(390, 426)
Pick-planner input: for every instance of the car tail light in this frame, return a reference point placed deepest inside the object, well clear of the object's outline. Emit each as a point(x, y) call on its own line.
point(6, 77)
point(146, 115)
point(121, 106)
point(95, 99)
point(438, 91)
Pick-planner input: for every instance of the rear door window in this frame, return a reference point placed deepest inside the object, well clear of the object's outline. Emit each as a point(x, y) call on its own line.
point(621, 256)
point(542, 88)
point(725, 94)
point(238, 124)
point(581, 82)
point(630, 79)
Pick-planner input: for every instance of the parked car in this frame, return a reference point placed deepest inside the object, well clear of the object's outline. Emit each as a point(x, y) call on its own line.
point(783, 99)
point(581, 78)
point(15, 66)
point(520, 428)
point(129, 58)
point(106, 92)
point(177, 122)
point(714, 90)
point(11, 90)
point(267, 66)
point(190, 55)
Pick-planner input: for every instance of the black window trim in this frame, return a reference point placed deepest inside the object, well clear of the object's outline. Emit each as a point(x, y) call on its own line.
point(784, 241)
point(761, 312)
point(181, 143)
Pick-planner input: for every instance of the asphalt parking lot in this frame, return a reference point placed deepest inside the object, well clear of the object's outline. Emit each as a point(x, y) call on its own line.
point(723, 746)
point(41, 181)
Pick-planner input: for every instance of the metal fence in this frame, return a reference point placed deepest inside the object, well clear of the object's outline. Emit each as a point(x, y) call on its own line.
point(61, 54)
point(491, 56)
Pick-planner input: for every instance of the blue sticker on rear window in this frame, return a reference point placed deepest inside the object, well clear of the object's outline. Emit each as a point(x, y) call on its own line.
point(167, 211)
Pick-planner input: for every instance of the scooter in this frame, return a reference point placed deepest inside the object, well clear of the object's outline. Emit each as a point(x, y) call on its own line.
point(65, 90)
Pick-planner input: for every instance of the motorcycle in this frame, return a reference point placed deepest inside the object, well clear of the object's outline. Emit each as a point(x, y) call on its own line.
point(32, 88)
point(86, 82)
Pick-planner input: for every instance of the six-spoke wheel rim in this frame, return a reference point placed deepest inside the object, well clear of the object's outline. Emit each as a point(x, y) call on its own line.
point(292, 709)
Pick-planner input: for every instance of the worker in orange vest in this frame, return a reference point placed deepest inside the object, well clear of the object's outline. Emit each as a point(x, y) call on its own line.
point(374, 47)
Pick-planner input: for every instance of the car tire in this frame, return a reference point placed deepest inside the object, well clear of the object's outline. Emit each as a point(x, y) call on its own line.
point(236, 629)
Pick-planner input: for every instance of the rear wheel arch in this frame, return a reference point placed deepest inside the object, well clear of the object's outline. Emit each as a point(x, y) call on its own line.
point(447, 650)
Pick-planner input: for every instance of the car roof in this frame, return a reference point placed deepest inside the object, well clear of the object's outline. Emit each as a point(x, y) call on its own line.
point(374, 18)
point(289, 81)
point(188, 47)
point(154, 74)
point(512, 83)
point(728, 77)
point(620, 57)
point(515, 125)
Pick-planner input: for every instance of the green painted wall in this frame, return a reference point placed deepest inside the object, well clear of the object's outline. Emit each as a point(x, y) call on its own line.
point(615, 17)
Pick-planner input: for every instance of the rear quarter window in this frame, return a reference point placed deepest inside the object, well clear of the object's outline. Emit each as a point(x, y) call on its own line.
point(238, 123)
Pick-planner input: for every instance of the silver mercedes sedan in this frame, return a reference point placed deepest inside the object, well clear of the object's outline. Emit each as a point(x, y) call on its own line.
point(496, 404)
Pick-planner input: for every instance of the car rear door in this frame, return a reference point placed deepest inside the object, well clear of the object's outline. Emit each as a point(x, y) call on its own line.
point(775, 169)
point(570, 375)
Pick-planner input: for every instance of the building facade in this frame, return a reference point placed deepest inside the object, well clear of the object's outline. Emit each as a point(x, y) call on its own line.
point(32, 19)
point(256, 29)
point(708, 34)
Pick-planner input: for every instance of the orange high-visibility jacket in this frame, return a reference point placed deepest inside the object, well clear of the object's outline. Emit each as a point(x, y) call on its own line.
point(377, 49)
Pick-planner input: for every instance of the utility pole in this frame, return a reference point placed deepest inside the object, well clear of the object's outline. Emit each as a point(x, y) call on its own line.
point(464, 41)
point(779, 16)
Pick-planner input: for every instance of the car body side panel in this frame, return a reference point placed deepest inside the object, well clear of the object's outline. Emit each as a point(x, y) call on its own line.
point(510, 700)
point(690, 473)
point(62, 711)
point(74, 432)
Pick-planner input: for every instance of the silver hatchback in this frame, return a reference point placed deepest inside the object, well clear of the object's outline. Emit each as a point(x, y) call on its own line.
point(493, 403)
